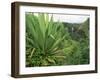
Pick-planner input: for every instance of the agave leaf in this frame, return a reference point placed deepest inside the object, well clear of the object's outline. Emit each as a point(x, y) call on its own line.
point(29, 25)
point(57, 42)
point(52, 36)
point(50, 25)
point(51, 60)
point(34, 31)
point(47, 20)
point(41, 39)
point(29, 40)
point(41, 19)
point(33, 50)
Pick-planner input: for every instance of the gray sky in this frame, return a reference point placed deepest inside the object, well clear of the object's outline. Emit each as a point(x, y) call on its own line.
point(70, 18)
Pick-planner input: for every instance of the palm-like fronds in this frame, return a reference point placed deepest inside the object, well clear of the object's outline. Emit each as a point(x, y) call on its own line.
point(43, 39)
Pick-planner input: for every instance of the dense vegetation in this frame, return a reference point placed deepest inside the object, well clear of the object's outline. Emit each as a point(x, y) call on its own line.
point(50, 43)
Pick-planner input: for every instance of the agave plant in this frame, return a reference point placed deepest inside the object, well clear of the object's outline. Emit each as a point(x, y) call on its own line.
point(44, 39)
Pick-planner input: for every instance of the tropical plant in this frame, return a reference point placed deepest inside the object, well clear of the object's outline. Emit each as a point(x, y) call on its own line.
point(43, 40)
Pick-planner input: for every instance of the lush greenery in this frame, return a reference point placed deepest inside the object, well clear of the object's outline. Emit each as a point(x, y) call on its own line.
point(50, 43)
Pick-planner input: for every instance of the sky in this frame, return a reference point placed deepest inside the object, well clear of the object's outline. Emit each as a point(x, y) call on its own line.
point(70, 18)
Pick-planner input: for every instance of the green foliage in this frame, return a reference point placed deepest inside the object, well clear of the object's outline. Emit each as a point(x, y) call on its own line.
point(80, 37)
point(43, 40)
point(50, 43)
